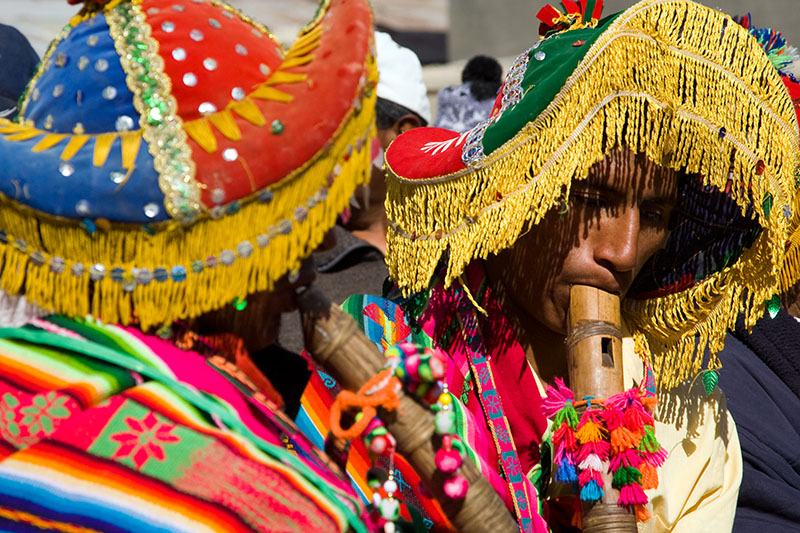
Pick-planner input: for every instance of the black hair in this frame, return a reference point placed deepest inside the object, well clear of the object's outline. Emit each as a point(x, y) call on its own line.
point(485, 75)
point(387, 113)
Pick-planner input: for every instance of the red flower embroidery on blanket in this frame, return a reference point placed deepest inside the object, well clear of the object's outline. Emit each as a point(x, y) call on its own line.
point(144, 440)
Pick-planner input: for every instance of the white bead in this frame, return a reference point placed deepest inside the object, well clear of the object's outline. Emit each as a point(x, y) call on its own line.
point(390, 486)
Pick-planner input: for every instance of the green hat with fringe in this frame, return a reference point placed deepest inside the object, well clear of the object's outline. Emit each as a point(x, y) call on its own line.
point(679, 82)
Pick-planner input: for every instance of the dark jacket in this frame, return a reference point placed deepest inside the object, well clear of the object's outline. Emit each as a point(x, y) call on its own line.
point(760, 377)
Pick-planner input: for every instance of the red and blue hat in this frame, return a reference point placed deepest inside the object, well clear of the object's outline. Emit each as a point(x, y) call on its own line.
point(171, 156)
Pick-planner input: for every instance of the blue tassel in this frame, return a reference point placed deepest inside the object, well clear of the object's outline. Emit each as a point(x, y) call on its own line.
point(566, 472)
point(591, 492)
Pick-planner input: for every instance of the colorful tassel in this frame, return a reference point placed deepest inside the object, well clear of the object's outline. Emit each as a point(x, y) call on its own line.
point(615, 436)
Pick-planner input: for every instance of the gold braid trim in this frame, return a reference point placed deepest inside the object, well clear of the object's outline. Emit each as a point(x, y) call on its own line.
point(617, 97)
point(279, 240)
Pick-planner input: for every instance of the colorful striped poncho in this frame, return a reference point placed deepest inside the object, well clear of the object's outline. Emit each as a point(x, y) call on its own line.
point(103, 428)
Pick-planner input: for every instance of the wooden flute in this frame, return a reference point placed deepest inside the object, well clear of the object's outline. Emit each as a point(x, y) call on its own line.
point(594, 360)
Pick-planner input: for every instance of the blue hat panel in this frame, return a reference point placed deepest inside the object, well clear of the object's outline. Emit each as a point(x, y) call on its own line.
point(76, 188)
point(83, 87)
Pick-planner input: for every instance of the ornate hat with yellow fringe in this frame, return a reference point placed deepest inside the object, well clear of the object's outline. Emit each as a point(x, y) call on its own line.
point(170, 156)
point(679, 82)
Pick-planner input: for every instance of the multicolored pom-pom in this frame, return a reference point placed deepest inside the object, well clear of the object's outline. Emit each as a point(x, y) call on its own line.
point(616, 435)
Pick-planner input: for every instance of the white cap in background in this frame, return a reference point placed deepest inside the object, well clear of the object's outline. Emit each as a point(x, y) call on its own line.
point(400, 76)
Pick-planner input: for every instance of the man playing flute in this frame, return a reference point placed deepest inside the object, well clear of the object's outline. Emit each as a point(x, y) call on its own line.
point(650, 154)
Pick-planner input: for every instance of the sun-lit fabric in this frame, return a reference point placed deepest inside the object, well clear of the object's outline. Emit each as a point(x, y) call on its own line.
point(90, 445)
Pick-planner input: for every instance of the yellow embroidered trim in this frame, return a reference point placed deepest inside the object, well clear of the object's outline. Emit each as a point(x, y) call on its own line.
point(483, 210)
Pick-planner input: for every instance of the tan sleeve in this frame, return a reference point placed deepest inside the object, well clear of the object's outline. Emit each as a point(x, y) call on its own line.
point(699, 482)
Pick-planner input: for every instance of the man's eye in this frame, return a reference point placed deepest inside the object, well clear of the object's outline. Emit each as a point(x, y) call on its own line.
point(654, 215)
point(589, 200)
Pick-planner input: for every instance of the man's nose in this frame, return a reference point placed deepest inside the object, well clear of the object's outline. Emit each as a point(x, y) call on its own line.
point(618, 241)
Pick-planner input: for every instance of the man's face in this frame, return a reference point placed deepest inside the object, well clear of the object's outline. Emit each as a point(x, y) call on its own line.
point(615, 220)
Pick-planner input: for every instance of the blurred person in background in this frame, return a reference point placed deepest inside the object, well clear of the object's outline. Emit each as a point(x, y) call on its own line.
point(461, 107)
point(18, 62)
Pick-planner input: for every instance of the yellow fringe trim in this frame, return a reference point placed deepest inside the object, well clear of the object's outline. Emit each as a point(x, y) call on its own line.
point(727, 81)
point(128, 246)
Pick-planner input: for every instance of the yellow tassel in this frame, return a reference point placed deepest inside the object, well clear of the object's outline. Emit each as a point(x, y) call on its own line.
point(589, 432)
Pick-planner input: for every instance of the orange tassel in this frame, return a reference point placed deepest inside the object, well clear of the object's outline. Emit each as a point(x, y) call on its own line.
point(649, 476)
point(642, 514)
point(624, 439)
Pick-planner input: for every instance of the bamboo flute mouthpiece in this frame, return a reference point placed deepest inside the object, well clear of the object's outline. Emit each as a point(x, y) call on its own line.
point(594, 361)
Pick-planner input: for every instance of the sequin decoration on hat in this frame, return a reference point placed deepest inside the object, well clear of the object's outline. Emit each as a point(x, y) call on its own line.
point(148, 138)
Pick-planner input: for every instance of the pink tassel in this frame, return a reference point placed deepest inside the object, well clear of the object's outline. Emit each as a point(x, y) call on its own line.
point(632, 494)
point(621, 400)
point(556, 397)
point(614, 418)
point(657, 458)
point(599, 448)
point(636, 417)
point(559, 452)
point(590, 475)
point(566, 435)
point(625, 458)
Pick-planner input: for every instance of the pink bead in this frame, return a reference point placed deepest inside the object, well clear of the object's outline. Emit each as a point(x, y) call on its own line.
point(437, 368)
point(447, 461)
point(412, 366)
point(409, 348)
point(374, 423)
point(456, 487)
